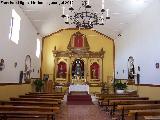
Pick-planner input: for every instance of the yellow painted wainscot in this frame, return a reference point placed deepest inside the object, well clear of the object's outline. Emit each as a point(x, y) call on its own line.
point(13, 90)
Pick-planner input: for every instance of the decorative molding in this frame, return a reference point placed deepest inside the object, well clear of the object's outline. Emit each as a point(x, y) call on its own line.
point(149, 85)
point(78, 30)
point(79, 52)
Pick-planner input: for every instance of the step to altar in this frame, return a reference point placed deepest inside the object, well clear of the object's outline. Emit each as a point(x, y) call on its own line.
point(79, 98)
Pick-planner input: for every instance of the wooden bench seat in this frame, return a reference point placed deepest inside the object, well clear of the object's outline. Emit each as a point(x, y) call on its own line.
point(124, 108)
point(30, 103)
point(44, 93)
point(102, 97)
point(36, 99)
point(137, 113)
point(29, 108)
point(114, 103)
point(127, 94)
point(131, 102)
point(152, 117)
point(107, 101)
point(38, 96)
point(28, 114)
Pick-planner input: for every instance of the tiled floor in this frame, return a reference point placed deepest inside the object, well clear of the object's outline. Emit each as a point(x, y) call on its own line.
point(82, 112)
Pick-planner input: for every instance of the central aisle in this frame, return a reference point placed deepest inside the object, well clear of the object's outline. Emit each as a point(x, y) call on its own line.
point(81, 112)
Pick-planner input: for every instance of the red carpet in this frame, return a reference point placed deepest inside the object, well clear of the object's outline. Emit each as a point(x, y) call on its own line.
point(83, 99)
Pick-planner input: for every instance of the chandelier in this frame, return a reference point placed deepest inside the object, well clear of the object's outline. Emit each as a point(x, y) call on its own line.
point(85, 17)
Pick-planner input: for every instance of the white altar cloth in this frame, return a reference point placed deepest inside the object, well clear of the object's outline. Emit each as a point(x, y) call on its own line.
point(79, 88)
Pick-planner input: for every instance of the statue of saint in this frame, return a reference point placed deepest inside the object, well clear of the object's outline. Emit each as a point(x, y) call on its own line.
point(94, 73)
point(131, 69)
point(78, 71)
point(61, 71)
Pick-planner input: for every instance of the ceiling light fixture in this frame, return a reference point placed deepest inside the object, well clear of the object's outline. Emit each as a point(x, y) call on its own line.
point(84, 16)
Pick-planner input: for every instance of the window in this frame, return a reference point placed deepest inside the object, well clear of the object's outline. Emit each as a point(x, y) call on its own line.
point(38, 48)
point(14, 27)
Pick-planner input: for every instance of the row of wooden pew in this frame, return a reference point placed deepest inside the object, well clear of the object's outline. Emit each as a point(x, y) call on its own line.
point(130, 106)
point(32, 105)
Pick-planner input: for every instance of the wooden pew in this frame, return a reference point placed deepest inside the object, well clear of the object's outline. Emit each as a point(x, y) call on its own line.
point(100, 100)
point(39, 96)
point(114, 103)
point(37, 99)
point(131, 102)
point(103, 96)
point(107, 100)
point(29, 108)
point(28, 114)
point(124, 108)
point(152, 117)
point(44, 93)
point(107, 104)
point(138, 113)
point(30, 103)
point(125, 94)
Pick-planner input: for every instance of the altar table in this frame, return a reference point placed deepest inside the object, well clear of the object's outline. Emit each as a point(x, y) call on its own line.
point(79, 88)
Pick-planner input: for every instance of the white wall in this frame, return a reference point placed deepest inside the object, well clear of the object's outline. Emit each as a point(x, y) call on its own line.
point(12, 52)
point(142, 41)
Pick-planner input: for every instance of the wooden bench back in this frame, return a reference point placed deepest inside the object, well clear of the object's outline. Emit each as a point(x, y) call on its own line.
point(38, 96)
point(36, 99)
point(131, 102)
point(138, 107)
point(30, 103)
point(29, 108)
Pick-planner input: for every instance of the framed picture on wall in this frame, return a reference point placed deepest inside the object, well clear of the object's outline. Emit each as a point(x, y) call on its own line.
point(157, 65)
point(2, 65)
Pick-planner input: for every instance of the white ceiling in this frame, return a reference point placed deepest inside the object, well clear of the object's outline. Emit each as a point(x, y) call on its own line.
point(47, 18)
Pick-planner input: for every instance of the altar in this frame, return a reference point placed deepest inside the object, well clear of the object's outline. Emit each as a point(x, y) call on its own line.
point(79, 88)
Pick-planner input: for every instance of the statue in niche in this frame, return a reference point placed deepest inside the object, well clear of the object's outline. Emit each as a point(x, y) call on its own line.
point(78, 40)
point(94, 71)
point(27, 68)
point(131, 69)
point(61, 73)
point(78, 69)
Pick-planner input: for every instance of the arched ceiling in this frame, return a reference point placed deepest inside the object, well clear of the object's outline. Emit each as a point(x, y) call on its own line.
point(47, 18)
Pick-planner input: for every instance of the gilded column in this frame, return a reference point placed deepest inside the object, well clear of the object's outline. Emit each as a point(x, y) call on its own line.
point(54, 67)
point(69, 70)
point(87, 70)
point(102, 70)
